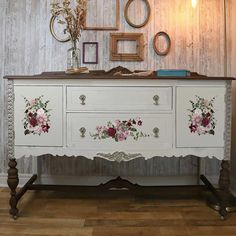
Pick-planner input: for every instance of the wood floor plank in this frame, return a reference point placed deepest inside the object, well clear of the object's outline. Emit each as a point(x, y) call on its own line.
point(47, 213)
point(133, 223)
point(41, 222)
point(46, 230)
point(126, 231)
point(174, 231)
point(212, 231)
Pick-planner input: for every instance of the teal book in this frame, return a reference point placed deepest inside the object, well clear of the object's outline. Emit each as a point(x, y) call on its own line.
point(174, 73)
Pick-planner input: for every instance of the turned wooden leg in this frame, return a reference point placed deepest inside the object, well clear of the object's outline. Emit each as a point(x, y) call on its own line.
point(221, 200)
point(12, 182)
point(224, 180)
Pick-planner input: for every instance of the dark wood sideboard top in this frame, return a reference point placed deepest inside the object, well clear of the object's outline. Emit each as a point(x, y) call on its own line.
point(112, 74)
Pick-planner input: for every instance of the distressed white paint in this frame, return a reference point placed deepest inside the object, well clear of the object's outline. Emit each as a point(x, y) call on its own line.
point(104, 104)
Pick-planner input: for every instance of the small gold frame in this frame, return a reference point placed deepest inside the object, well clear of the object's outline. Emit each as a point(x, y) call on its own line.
point(116, 56)
point(117, 24)
point(127, 17)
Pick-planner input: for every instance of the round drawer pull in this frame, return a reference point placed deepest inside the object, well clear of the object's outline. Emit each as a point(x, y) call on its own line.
point(156, 99)
point(156, 132)
point(82, 131)
point(82, 99)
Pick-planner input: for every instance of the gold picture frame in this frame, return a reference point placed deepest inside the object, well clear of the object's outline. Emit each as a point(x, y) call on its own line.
point(117, 19)
point(116, 56)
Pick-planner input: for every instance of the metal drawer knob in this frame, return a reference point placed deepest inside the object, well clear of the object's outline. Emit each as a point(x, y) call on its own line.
point(156, 132)
point(82, 131)
point(82, 99)
point(156, 99)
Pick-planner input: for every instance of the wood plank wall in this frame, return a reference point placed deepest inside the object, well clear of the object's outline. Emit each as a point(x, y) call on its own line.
point(27, 47)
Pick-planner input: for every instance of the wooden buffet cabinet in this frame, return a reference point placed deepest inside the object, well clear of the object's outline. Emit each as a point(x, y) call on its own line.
point(118, 118)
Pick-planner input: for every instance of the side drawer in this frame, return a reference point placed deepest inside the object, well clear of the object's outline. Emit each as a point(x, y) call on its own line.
point(101, 131)
point(119, 98)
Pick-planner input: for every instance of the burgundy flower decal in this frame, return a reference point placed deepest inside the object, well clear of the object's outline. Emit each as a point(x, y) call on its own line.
point(201, 118)
point(37, 117)
point(120, 130)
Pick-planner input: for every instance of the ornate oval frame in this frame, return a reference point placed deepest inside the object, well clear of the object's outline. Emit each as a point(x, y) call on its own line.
point(167, 37)
point(52, 20)
point(127, 17)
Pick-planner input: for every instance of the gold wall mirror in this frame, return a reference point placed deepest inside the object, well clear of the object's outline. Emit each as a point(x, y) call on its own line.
point(127, 6)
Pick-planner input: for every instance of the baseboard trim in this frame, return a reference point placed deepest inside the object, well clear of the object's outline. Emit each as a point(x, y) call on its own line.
point(96, 180)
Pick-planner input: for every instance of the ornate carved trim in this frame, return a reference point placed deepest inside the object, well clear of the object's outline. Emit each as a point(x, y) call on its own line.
point(118, 69)
point(119, 156)
point(10, 116)
point(228, 117)
point(119, 183)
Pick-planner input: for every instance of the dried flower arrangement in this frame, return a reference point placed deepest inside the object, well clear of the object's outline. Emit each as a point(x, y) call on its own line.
point(73, 18)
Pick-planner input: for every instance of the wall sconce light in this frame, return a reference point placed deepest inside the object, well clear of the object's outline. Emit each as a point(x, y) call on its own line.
point(194, 3)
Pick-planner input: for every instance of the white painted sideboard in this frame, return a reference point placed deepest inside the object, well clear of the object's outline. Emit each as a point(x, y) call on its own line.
point(116, 118)
point(162, 126)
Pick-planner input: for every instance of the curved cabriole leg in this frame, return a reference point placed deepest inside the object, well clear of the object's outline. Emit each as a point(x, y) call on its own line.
point(12, 182)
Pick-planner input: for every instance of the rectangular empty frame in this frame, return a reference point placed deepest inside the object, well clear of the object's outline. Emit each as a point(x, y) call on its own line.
point(115, 55)
point(103, 15)
point(90, 53)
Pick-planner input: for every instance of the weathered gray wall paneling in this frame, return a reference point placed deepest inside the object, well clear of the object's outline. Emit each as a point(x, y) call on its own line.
point(27, 47)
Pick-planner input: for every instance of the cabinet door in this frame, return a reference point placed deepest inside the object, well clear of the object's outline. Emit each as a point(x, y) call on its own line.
point(200, 114)
point(38, 116)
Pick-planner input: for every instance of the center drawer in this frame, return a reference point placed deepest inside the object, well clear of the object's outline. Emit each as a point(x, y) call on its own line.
point(119, 98)
point(101, 131)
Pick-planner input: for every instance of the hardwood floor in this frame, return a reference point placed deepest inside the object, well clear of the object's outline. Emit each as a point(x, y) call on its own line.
point(121, 213)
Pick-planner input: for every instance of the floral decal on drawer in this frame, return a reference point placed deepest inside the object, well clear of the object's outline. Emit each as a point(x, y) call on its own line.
point(120, 130)
point(201, 118)
point(37, 117)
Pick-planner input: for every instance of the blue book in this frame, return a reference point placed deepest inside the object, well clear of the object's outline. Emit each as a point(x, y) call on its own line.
point(174, 73)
